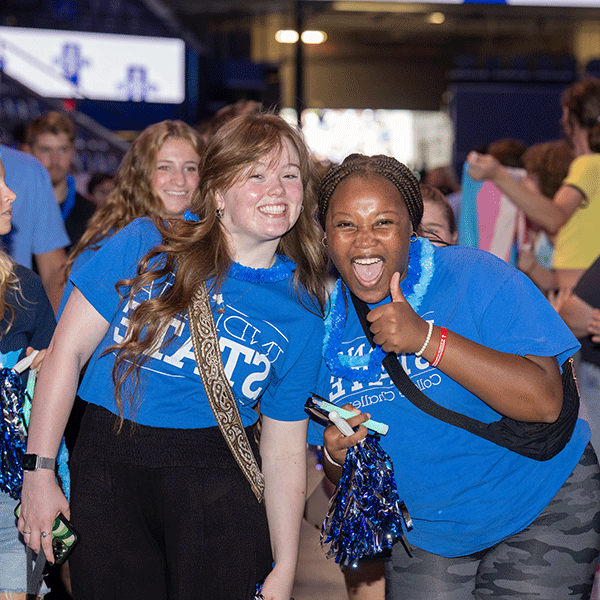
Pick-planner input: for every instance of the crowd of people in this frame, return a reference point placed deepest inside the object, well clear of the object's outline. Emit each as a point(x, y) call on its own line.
point(207, 288)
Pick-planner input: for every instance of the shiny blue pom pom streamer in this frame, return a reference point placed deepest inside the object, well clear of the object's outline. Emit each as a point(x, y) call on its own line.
point(13, 439)
point(15, 403)
point(365, 513)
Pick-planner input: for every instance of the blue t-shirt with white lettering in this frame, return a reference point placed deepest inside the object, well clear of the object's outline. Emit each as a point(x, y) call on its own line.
point(463, 493)
point(270, 343)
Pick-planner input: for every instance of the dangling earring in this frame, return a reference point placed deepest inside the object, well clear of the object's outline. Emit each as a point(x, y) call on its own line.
point(414, 236)
point(324, 241)
point(219, 213)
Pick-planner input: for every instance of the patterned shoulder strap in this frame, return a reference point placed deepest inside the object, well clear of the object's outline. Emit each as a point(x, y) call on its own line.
point(217, 388)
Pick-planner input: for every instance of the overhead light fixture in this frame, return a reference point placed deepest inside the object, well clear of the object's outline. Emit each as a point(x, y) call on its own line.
point(289, 36)
point(437, 18)
point(313, 37)
point(380, 7)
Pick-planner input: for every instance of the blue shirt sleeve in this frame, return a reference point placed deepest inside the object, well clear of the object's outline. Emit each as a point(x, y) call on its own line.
point(49, 231)
point(37, 223)
point(77, 264)
point(284, 399)
point(116, 260)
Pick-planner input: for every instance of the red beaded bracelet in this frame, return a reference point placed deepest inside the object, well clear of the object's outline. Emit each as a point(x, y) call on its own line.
point(441, 347)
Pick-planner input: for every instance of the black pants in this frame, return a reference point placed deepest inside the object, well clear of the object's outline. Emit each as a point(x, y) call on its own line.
point(162, 514)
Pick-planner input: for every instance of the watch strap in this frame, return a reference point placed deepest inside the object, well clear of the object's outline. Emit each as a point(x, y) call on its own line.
point(44, 462)
point(33, 462)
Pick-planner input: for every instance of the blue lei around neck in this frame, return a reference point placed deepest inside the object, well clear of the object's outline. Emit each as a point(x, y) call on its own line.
point(367, 368)
point(280, 271)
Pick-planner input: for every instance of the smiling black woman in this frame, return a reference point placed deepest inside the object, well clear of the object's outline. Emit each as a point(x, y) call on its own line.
point(476, 336)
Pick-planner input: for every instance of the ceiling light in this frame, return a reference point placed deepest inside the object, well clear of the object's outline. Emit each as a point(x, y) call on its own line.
point(380, 7)
point(289, 36)
point(286, 36)
point(313, 37)
point(437, 18)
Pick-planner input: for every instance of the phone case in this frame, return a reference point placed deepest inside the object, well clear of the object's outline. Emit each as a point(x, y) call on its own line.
point(64, 537)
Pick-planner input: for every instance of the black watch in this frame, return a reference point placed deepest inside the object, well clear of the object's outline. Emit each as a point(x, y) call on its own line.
point(33, 462)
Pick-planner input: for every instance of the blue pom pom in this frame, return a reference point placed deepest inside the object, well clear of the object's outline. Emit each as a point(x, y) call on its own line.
point(365, 513)
point(13, 434)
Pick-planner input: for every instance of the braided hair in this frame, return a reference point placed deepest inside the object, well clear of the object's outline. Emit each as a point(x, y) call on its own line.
point(366, 166)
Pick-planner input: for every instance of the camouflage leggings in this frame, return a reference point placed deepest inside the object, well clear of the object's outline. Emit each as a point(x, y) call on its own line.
point(552, 559)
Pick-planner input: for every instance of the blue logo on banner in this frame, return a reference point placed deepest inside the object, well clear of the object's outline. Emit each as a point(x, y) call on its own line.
point(71, 62)
point(136, 84)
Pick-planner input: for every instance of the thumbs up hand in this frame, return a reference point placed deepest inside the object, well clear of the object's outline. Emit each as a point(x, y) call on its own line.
point(395, 326)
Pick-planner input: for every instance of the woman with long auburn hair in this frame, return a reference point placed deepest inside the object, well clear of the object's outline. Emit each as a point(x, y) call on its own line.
point(158, 495)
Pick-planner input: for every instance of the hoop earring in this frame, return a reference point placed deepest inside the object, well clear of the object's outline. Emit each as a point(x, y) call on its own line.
point(219, 212)
point(414, 237)
point(324, 241)
point(302, 209)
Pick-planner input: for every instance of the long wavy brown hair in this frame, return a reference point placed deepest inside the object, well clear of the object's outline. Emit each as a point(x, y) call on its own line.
point(193, 251)
point(8, 281)
point(133, 195)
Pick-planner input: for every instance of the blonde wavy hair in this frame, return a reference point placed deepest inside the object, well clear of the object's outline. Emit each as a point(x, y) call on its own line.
point(133, 195)
point(194, 251)
point(8, 281)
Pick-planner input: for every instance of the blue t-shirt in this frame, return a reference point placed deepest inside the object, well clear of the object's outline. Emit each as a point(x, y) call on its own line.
point(32, 322)
point(464, 493)
point(77, 264)
point(37, 225)
point(270, 343)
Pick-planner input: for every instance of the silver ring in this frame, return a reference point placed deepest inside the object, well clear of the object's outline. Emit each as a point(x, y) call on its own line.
point(43, 534)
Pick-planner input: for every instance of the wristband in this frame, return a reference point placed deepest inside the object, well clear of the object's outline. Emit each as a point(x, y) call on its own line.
point(330, 459)
point(426, 340)
point(441, 347)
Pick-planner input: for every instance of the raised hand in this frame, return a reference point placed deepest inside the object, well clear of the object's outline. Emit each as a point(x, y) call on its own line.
point(482, 166)
point(395, 326)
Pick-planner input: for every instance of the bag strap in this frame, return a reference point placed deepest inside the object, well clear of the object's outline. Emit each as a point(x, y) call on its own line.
point(35, 571)
point(218, 391)
point(412, 393)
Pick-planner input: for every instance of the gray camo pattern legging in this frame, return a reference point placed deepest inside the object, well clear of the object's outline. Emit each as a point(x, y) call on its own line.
point(552, 559)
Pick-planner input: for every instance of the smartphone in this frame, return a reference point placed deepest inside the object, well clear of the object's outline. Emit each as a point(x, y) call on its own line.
point(64, 537)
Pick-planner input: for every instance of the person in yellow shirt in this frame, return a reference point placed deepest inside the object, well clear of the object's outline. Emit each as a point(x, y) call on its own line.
point(574, 211)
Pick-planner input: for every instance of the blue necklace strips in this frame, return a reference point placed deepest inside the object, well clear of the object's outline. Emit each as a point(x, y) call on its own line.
point(367, 367)
point(280, 270)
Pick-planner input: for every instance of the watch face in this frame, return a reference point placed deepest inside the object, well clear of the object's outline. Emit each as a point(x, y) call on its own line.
point(29, 462)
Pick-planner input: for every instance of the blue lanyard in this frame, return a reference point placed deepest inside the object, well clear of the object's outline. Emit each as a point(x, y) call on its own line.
point(67, 206)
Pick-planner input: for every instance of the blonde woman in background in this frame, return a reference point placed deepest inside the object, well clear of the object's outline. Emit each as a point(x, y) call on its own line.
point(27, 323)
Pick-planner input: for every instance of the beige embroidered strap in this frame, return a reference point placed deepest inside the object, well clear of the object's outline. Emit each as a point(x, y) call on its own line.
point(219, 392)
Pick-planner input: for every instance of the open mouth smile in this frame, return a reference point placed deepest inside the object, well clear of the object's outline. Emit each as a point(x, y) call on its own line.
point(367, 270)
point(273, 209)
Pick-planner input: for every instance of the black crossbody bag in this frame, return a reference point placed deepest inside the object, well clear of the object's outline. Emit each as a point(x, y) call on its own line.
point(540, 441)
